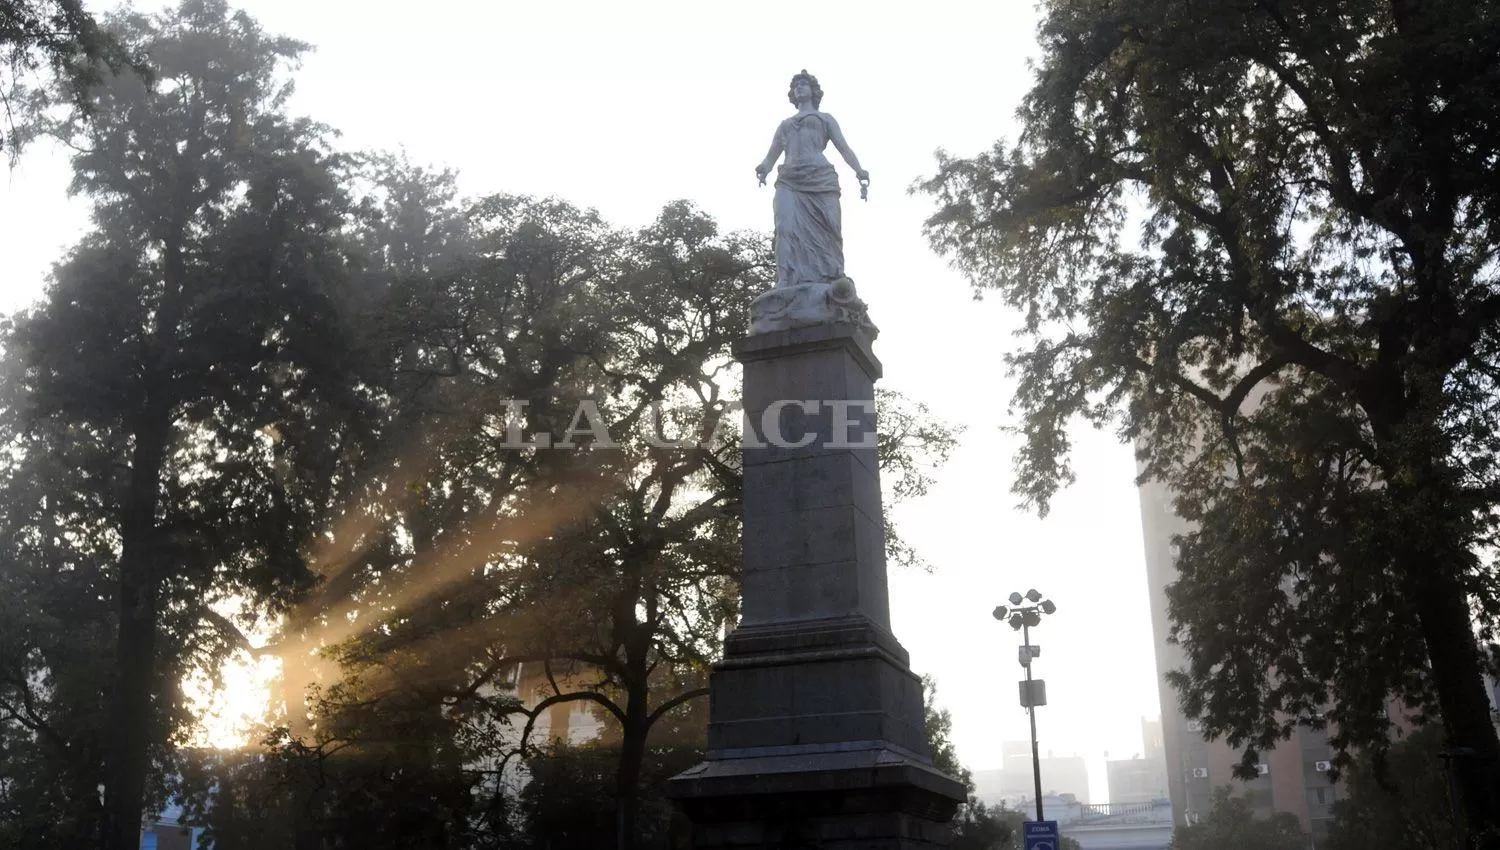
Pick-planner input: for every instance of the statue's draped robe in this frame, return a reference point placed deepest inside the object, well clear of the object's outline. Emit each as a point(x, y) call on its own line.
point(809, 230)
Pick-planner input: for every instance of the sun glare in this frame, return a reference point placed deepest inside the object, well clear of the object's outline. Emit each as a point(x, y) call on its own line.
point(230, 716)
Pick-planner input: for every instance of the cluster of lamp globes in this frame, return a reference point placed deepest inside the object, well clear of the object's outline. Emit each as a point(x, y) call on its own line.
point(1033, 692)
point(1029, 615)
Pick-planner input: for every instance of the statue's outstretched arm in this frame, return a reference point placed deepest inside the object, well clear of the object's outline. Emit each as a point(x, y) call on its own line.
point(836, 136)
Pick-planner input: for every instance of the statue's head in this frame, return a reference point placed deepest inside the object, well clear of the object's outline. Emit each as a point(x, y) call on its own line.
point(814, 91)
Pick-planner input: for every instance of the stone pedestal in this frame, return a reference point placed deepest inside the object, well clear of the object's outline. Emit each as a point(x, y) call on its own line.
point(815, 733)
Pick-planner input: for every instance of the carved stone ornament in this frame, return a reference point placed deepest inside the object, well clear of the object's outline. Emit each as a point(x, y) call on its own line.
point(805, 304)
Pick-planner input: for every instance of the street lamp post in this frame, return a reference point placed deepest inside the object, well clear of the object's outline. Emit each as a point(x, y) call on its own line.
point(1033, 691)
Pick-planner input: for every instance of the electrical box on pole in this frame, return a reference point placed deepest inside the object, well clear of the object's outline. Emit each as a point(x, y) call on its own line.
point(1033, 693)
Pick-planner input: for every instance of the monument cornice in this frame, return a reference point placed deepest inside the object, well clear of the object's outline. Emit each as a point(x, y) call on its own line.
point(794, 341)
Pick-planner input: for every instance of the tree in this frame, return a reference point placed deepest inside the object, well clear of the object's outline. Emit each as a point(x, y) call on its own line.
point(938, 724)
point(1396, 801)
point(63, 38)
point(188, 352)
point(656, 558)
point(1231, 825)
point(609, 568)
point(975, 825)
point(391, 773)
point(462, 555)
point(278, 379)
point(1302, 345)
point(569, 800)
point(55, 632)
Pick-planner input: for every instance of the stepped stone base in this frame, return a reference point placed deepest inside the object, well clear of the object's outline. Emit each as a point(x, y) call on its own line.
point(855, 799)
point(816, 741)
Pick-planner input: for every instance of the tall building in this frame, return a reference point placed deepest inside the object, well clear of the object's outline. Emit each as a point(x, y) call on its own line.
point(1063, 776)
point(1151, 738)
point(1293, 777)
point(1142, 779)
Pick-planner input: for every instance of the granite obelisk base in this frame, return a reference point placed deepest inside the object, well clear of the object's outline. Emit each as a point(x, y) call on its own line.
point(815, 735)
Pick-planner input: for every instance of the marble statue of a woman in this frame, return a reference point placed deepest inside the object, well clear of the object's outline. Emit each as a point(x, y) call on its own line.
point(811, 287)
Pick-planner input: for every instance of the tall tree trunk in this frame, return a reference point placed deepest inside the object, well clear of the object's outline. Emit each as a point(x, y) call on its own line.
point(1433, 557)
point(129, 755)
point(135, 646)
point(1458, 678)
point(628, 777)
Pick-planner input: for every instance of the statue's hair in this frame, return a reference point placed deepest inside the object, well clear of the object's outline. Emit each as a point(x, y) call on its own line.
point(812, 82)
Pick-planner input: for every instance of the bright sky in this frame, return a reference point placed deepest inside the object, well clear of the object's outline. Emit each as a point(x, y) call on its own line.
point(625, 106)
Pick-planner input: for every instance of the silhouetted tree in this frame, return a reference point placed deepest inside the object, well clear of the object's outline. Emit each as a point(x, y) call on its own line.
point(188, 351)
point(58, 38)
point(1232, 825)
point(1258, 239)
point(1402, 800)
point(610, 566)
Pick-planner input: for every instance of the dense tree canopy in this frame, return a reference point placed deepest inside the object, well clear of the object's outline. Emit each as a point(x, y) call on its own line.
point(1232, 825)
point(609, 564)
point(610, 567)
point(1259, 238)
point(186, 358)
point(51, 50)
point(1398, 801)
point(280, 389)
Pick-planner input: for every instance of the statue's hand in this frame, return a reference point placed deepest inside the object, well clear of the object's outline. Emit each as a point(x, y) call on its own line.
point(760, 172)
point(864, 184)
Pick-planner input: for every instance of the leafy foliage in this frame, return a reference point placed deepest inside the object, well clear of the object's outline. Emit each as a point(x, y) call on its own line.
point(938, 724)
point(911, 443)
point(186, 359)
point(396, 777)
point(461, 556)
point(1399, 800)
point(1259, 239)
point(1232, 825)
point(569, 802)
point(62, 38)
point(490, 553)
point(610, 567)
point(273, 389)
point(981, 827)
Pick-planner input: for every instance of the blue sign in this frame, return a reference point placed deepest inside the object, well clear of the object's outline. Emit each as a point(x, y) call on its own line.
point(1040, 834)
